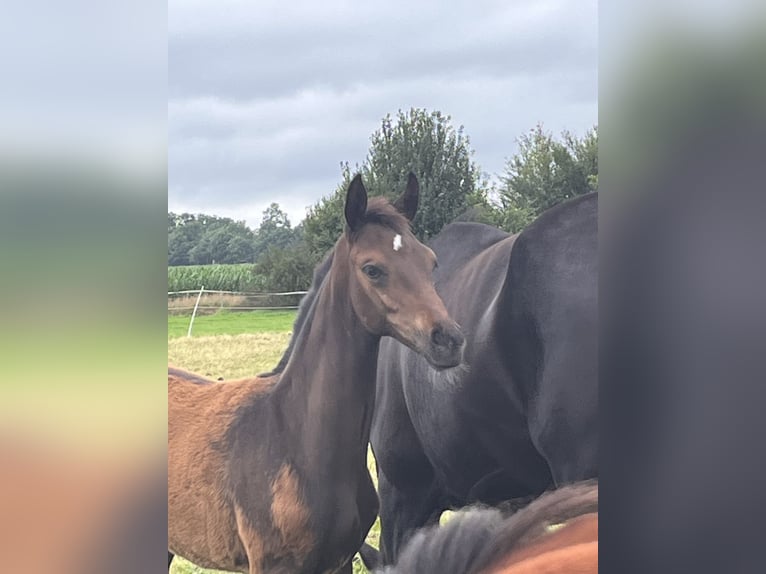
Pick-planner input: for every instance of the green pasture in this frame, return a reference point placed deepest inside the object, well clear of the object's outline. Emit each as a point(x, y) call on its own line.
point(226, 322)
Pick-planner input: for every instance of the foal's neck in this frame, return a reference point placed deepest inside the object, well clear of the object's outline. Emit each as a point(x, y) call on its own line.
point(327, 391)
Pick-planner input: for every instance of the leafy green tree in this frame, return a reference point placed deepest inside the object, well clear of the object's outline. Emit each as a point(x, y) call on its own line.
point(209, 248)
point(286, 268)
point(184, 232)
point(275, 230)
point(420, 141)
point(224, 243)
point(483, 209)
point(324, 222)
point(203, 239)
point(240, 248)
point(546, 171)
point(427, 144)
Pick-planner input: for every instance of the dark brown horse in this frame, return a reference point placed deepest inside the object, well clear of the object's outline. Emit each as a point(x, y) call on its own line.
point(269, 474)
point(555, 534)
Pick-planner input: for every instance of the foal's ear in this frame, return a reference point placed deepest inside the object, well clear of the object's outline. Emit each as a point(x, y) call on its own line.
point(356, 203)
point(407, 204)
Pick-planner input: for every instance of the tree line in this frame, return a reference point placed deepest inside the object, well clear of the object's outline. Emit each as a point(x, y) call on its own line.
point(544, 171)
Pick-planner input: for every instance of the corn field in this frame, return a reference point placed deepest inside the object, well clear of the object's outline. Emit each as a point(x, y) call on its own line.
point(232, 277)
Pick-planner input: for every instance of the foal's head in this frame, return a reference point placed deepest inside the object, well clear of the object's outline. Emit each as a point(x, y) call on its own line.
point(392, 291)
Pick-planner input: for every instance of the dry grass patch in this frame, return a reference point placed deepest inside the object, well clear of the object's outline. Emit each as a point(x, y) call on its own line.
point(228, 356)
point(183, 303)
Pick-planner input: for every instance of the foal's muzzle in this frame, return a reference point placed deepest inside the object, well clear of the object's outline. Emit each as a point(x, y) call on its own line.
point(446, 346)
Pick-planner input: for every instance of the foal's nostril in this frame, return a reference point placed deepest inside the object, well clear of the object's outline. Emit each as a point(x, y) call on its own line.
point(438, 337)
point(446, 338)
point(446, 346)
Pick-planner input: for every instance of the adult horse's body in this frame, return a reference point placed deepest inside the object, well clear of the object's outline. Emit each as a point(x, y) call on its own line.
point(555, 534)
point(268, 474)
point(520, 417)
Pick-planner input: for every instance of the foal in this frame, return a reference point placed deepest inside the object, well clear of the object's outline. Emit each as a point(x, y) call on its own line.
point(269, 474)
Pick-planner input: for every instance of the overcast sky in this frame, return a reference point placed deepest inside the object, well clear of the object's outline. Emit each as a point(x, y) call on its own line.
point(265, 99)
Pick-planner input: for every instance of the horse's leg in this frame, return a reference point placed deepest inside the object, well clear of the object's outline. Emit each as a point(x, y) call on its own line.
point(370, 557)
point(402, 512)
point(170, 559)
point(368, 505)
point(409, 498)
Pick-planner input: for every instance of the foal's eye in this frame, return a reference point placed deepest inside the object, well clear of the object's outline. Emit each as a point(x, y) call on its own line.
point(372, 272)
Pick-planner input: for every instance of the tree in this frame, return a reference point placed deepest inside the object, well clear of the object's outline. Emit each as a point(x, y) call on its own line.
point(545, 172)
point(240, 248)
point(184, 232)
point(286, 269)
point(425, 143)
point(211, 248)
point(203, 239)
point(440, 155)
point(324, 222)
point(274, 232)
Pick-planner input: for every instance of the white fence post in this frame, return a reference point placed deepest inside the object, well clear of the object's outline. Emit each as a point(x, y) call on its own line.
point(188, 333)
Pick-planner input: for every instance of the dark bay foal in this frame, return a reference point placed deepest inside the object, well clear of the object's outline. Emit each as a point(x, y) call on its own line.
point(269, 474)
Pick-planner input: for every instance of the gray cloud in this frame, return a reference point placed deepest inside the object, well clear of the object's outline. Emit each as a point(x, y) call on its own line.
point(264, 104)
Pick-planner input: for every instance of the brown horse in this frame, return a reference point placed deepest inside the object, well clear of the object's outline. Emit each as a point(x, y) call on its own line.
point(555, 534)
point(269, 474)
point(573, 549)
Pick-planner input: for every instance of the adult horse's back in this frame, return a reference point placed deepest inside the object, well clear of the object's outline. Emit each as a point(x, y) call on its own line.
point(520, 417)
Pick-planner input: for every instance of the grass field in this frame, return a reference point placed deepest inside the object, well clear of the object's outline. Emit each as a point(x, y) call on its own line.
point(234, 345)
point(232, 323)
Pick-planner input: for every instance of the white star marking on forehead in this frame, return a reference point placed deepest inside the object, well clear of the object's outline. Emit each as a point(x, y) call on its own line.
point(397, 242)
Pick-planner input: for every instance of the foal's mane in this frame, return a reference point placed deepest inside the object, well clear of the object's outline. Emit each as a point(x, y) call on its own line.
point(305, 314)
